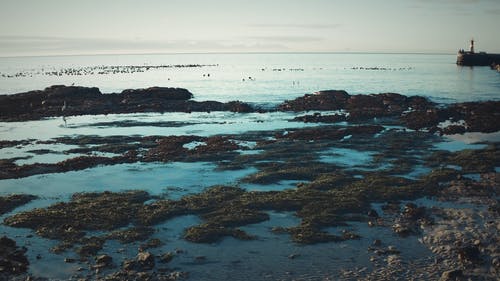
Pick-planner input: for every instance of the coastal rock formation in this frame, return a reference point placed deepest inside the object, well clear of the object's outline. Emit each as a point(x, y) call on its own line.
point(414, 112)
point(461, 117)
point(359, 107)
point(60, 100)
point(157, 93)
point(13, 260)
point(8, 203)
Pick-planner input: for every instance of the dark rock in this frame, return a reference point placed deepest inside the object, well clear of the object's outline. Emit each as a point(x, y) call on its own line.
point(404, 229)
point(372, 214)
point(318, 118)
point(422, 119)
point(166, 257)
point(211, 233)
point(90, 246)
point(132, 234)
point(62, 100)
point(412, 212)
point(151, 243)
point(8, 203)
point(359, 107)
point(161, 93)
point(470, 253)
point(471, 161)
point(145, 260)
point(477, 116)
point(11, 170)
point(410, 219)
point(105, 260)
point(330, 132)
point(67, 221)
point(130, 274)
point(323, 100)
point(240, 107)
point(453, 129)
point(452, 275)
point(13, 260)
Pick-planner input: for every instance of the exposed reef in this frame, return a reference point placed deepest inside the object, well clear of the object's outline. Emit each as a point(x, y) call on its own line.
point(10, 202)
point(223, 209)
point(461, 118)
point(13, 260)
point(413, 112)
point(379, 176)
point(359, 107)
point(59, 100)
point(128, 150)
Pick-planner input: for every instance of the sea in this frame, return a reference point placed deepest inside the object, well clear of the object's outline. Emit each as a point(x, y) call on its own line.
point(264, 79)
point(261, 78)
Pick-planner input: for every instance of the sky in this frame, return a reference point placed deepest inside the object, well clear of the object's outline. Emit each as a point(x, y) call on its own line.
point(71, 27)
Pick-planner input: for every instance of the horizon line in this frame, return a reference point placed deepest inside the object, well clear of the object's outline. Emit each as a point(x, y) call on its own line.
point(236, 52)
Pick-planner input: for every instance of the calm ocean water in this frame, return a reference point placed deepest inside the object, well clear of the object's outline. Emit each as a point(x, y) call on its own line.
point(275, 77)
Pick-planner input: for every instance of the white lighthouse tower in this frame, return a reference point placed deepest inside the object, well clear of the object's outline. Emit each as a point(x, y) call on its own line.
point(472, 46)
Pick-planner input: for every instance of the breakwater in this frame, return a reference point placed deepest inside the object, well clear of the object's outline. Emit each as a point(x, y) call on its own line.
point(477, 59)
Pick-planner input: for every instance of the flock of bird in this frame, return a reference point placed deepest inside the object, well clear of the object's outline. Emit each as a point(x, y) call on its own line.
point(382, 68)
point(99, 70)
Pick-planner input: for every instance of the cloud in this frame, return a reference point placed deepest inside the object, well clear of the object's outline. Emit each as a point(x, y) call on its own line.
point(39, 45)
point(288, 39)
point(297, 25)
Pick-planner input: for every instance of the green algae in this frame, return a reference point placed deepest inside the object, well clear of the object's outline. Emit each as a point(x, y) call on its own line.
point(274, 172)
point(85, 211)
point(210, 233)
point(328, 197)
point(470, 160)
point(132, 234)
point(222, 209)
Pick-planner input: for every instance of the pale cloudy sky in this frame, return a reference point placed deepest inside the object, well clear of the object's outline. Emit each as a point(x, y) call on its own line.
point(52, 27)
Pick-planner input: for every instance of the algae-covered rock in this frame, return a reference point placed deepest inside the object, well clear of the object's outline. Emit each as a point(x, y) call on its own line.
point(13, 260)
point(211, 233)
point(274, 172)
point(10, 202)
point(132, 234)
point(470, 160)
point(85, 211)
point(90, 246)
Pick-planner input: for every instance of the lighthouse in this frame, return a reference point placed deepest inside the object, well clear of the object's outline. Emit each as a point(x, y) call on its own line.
point(471, 58)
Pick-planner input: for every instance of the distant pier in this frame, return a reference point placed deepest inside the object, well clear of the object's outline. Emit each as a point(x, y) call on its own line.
point(471, 58)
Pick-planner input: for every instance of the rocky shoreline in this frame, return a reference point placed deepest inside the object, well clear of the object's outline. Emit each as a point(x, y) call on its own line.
point(414, 112)
point(399, 132)
point(60, 100)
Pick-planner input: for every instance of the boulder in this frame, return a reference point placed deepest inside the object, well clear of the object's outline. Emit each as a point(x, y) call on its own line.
point(13, 260)
point(157, 93)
